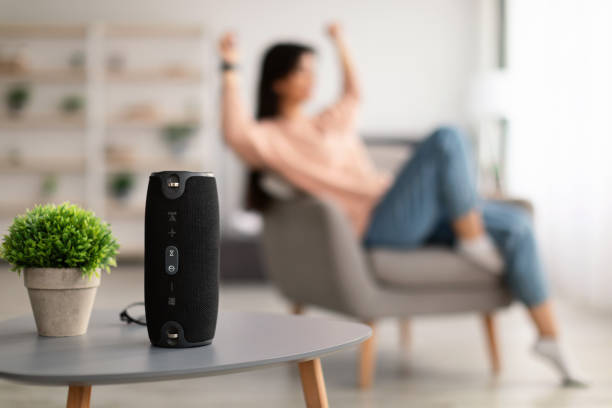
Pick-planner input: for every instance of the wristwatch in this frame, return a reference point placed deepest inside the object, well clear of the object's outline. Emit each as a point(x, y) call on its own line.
point(227, 66)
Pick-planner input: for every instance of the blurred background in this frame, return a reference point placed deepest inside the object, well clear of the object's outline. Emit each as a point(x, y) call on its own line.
point(96, 95)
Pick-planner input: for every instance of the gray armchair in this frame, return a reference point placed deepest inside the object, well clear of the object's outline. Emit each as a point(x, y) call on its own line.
point(314, 259)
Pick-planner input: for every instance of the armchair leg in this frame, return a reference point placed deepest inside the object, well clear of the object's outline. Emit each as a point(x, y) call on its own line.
point(297, 309)
point(491, 332)
point(404, 335)
point(367, 360)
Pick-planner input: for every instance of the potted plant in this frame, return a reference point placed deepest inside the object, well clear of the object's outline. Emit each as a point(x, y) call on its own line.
point(16, 98)
point(121, 185)
point(72, 104)
point(48, 185)
point(61, 250)
point(177, 136)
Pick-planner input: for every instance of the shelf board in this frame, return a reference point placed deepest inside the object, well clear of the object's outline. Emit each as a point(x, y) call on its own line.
point(60, 76)
point(154, 123)
point(154, 76)
point(152, 164)
point(153, 30)
point(42, 31)
point(44, 122)
point(42, 166)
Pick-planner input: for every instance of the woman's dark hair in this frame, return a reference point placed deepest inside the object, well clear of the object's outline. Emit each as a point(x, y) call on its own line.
point(279, 61)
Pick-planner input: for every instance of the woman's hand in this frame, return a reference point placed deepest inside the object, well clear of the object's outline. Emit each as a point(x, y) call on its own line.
point(334, 30)
point(227, 48)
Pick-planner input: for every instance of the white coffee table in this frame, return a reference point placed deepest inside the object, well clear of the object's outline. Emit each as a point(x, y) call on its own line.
point(115, 353)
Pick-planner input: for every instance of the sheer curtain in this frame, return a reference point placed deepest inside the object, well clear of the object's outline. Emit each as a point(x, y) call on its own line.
point(560, 144)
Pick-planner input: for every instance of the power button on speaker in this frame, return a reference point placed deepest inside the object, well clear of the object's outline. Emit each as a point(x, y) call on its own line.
point(172, 260)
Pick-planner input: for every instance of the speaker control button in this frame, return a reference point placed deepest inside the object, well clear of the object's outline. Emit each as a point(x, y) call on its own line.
point(172, 259)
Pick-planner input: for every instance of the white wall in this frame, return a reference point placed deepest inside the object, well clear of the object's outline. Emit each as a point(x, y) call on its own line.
point(415, 56)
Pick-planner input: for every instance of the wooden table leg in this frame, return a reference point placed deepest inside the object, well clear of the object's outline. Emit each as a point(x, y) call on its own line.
point(313, 384)
point(78, 396)
point(367, 360)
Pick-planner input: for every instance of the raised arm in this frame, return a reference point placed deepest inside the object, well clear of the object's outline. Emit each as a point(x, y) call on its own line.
point(240, 129)
point(351, 86)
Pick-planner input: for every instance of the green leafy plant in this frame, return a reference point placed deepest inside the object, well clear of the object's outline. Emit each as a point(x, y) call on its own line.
point(62, 236)
point(175, 132)
point(48, 185)
point(121, 184)
point(178, 134)
point(17, 97)
point(72, 104)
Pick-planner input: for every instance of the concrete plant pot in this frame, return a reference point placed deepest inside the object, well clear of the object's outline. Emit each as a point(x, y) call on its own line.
point(61, 299)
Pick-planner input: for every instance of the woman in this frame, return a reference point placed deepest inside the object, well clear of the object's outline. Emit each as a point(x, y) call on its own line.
point(433, 192)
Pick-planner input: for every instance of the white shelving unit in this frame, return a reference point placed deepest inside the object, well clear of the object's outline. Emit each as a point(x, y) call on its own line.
point(32, 145)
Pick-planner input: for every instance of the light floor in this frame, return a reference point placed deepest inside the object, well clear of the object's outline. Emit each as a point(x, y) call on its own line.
point(445, 367)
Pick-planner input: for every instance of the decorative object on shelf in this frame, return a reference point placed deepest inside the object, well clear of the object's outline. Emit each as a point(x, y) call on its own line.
point(48, 185)
point(72, 104)
point(141, 112)
point(61, 250)
point(16, 98)
point(121, 185)
point(77, 60)
point(115, 62)
point(179, 71)
point(118, 154)
point(177, 136)
point(14, 63)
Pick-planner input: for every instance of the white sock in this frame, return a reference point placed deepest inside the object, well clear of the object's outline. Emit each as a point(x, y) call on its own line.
point(482, 251)
point(549, 349)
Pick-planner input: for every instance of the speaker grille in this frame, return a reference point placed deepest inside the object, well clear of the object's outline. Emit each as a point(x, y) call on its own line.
point(195, 232)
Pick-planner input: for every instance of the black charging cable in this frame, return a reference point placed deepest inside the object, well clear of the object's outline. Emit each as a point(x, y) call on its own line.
point(125, 316)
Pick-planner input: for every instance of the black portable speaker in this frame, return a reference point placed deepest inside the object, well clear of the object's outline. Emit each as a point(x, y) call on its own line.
point(181, 258)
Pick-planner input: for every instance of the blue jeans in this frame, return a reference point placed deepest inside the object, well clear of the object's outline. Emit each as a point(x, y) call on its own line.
point(435, 187)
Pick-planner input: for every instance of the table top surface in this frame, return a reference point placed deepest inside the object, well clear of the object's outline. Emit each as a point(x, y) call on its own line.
point(114, 352)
